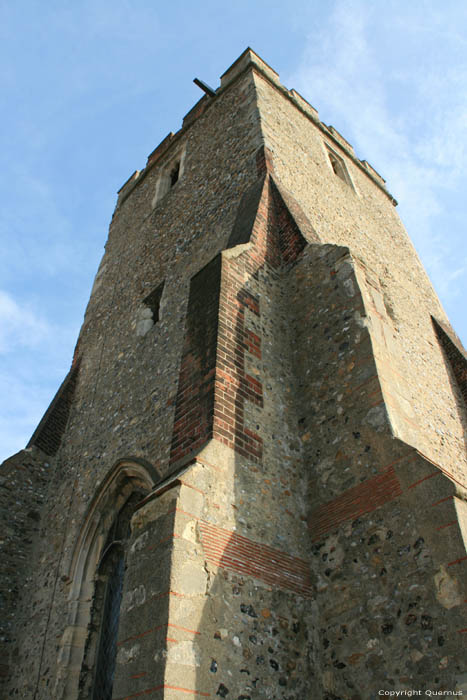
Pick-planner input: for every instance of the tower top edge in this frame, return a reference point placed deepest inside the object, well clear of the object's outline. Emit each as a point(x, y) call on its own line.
point(240, 63)
point(250, 60)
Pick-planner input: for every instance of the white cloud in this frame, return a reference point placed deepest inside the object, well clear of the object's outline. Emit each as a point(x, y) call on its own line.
point(19, 325)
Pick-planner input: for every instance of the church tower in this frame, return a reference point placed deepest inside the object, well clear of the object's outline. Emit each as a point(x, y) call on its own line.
point(252, 482)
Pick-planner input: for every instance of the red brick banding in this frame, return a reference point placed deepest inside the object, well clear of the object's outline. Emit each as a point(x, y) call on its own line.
point(359, 500)
point(234, 552)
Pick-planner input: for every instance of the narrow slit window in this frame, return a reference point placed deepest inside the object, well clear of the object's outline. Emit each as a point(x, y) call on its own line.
point(169, 174)
point(153, 302)
point(149, 311)
point(175, 174)
point(338, 166)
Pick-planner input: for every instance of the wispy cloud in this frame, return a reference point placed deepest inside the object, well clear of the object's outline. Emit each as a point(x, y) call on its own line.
point(391, 77)
point(19, 325)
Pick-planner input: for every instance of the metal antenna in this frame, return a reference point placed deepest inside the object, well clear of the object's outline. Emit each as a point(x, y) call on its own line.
point(208, 90)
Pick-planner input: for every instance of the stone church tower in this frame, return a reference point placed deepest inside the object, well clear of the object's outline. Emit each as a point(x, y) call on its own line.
point(251, 483)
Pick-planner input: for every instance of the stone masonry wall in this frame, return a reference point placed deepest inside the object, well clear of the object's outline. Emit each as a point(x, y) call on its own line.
point(254, 594)
point(386, 547)
point(48, 435)
point(23, 482)
point(144, 630)
point(239, 588)
point(361, 215)
point(456, 356)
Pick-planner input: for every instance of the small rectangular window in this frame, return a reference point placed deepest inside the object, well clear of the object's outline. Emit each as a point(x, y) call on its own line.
point(153, 302)
point(169, 175)
point(338, 165)
point(174, 173)
point(149, 311)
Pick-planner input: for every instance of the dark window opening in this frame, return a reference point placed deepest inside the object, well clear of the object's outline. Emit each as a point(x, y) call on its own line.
point(175, 174)
point(107, 654)
point(100, 656)
point(338, 166)
point(170, 173)
point(153, 302)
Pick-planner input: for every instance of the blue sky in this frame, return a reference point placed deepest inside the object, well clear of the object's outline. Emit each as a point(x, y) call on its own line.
point(90, 87)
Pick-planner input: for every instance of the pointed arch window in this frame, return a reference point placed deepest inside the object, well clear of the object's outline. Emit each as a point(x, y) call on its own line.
point(98, 668)
point(86, 663)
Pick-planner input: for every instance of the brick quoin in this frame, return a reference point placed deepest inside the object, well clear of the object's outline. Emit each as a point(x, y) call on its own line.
point(275, 242)
point(291, 241)
point(214, 384)
point(233, 385)
point(195, 395)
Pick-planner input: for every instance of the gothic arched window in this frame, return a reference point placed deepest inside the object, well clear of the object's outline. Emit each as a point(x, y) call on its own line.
point(86, 663)
point(107, 651)
point(98, 669)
